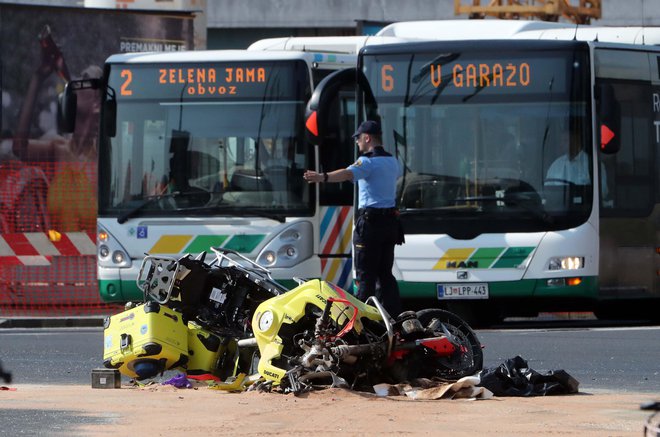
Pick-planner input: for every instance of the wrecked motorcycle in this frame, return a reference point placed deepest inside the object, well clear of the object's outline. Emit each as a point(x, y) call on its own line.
point(192, 315)
point(318, 334)
point(230, 316)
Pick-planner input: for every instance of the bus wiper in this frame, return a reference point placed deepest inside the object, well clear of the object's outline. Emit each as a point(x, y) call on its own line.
point(435, 209)
point(149, 200)
point(512, 199)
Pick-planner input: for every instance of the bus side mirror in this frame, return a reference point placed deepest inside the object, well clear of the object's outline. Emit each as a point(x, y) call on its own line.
point(110, 117)
point(66, 110)
point(609, 119)
point(317, 117)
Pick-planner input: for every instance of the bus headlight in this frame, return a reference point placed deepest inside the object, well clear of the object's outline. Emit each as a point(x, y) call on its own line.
point(118, 257)
point(566, 263)
point(270, 257)
point(290, 251)
point(110, 253)
point(291, 246)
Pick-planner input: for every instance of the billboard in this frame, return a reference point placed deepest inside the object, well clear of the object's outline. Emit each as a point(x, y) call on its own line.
point(48, 180)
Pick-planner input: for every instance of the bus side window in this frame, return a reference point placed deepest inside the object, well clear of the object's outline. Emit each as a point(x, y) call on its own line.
point(629, 171)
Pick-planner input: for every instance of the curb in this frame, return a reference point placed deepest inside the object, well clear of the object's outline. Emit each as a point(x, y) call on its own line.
point(52, 322)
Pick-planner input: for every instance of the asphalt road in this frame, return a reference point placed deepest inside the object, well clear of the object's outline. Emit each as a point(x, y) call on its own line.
point(604, 358)
point(600, 358)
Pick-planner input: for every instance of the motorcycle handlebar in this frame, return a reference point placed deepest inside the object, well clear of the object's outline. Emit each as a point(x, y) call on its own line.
point(322, 322)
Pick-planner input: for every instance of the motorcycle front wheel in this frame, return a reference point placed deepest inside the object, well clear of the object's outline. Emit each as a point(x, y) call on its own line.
point(469, 357)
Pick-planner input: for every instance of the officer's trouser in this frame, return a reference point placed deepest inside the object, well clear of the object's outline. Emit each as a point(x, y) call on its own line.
point(374, 238)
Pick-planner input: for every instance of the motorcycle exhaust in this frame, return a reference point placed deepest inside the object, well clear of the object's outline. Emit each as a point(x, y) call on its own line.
point(349, 353)
point(247, 342)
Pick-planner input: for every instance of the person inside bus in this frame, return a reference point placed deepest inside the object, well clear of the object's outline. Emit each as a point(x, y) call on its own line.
point(573, 166)
point(377, 227)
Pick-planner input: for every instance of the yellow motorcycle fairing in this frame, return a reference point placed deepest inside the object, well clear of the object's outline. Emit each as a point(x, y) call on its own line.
point(289, 308)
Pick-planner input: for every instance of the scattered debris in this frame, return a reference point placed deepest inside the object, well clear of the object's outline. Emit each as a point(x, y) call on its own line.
point(179, 381)
point(464, 388)
point(515, 378)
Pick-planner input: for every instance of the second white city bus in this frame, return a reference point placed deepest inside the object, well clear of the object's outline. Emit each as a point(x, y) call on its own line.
point(530, 157)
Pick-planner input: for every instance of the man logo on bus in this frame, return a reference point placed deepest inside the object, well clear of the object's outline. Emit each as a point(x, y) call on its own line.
point(463, 264)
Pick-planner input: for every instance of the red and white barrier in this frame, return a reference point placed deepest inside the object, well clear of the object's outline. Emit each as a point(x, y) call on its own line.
point(38, 248)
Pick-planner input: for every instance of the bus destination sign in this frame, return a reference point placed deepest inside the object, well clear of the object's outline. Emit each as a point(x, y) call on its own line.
point(453, 76)
point(227, 80)
point(473, 74)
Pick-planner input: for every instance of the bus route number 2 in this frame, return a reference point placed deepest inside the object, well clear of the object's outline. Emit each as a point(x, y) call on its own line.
point(127, 75)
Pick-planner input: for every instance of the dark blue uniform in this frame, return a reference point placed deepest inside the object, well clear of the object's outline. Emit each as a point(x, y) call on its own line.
point(377, 227)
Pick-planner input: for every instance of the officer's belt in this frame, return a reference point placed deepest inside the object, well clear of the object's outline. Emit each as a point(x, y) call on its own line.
point(378, 211)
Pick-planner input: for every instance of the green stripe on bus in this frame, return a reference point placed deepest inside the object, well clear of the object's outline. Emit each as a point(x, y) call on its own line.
point(115, 290)
point(202, 243)
point(429, 290)
point(525, 288)
point(244, 243)
point(513, 257)
point(486, 256)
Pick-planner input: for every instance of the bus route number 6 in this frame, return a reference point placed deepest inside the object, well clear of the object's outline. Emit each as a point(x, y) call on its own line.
point(387, 81)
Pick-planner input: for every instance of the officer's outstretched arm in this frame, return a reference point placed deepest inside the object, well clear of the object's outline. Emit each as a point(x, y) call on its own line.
point(340, 175)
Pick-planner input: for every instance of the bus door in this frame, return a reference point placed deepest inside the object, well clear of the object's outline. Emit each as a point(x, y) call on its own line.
point(330, 123)
point(628, 205)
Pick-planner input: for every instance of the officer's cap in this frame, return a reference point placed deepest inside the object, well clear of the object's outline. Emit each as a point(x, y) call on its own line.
point(368, 127)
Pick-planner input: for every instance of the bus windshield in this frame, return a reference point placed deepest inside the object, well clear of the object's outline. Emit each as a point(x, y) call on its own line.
point(478, 129)
point(217, 138)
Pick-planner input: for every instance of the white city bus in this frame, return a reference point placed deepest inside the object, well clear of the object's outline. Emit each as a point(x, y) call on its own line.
point(207, 148)
point(478, 112)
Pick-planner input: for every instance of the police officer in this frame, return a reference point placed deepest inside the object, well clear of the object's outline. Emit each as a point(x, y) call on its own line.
point(377, 226)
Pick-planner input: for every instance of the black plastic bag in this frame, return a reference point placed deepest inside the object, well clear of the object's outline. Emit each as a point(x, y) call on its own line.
point(515, 378)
